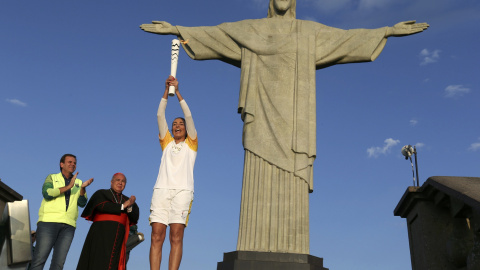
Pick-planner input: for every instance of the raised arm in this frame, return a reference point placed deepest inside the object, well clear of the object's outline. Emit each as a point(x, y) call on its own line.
point(162, 121)
point(406, 28)
point(160, 28)
point(190, 126)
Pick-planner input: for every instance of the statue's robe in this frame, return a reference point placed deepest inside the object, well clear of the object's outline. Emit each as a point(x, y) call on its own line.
point(278, 59)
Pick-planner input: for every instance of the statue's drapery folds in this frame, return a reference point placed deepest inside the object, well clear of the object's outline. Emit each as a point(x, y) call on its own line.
point(278, 59)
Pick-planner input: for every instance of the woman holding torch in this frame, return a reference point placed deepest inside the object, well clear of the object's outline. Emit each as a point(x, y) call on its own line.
point(173, 192)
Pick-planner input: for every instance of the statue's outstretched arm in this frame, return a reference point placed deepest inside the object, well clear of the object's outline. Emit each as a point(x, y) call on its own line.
point(406, 28)
point(161, 28)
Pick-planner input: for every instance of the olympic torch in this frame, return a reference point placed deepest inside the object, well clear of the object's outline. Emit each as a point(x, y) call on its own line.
point(174, 62)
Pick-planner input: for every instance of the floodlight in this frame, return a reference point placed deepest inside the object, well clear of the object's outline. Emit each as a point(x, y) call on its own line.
point(407, 151)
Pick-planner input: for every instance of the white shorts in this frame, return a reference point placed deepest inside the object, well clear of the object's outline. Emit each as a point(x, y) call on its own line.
point(170, 206)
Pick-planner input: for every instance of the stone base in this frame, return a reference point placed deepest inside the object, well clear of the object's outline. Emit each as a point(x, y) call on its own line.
point(253, 260)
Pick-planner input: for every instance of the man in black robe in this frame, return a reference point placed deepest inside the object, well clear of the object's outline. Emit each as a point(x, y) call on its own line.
point(112, 214)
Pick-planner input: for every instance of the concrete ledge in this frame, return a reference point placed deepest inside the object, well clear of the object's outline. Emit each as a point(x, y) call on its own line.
point(440, 188)
point(7, 194)
point(253, 260)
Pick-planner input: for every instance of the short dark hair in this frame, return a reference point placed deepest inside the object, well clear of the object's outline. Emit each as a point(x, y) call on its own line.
point(62, 159)
point(184, 123)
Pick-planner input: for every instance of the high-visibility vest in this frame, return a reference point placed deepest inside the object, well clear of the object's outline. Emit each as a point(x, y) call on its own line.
point(54, 210)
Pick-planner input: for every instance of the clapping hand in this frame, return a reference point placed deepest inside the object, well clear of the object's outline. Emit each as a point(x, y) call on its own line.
point(86, 183)
point(129, 203)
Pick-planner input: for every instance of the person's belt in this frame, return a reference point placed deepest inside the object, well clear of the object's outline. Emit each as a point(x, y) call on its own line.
point(122, 219)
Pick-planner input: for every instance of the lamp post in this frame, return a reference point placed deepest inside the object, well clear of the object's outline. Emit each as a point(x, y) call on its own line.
point(407, 152)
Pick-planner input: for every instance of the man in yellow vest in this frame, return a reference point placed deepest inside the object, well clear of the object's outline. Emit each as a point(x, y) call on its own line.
point(62, 193)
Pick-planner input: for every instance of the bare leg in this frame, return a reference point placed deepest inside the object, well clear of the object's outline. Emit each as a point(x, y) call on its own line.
point(158, 236)
point(176, 245)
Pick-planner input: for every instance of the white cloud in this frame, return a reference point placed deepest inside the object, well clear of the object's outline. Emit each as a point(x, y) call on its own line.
point(377, 151)
point(456, 90)
point(419, 145)
point(413, 122)
point(429, 57)
point(16, 102)
point(474, 146)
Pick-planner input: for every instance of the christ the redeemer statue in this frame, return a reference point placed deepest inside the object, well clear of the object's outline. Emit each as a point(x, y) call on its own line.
point(278, 57)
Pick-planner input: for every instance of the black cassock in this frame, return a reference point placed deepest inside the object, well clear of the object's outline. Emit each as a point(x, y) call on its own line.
point(103, 245)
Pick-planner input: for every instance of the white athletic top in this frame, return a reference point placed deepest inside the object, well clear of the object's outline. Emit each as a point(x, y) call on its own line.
point(178, 160)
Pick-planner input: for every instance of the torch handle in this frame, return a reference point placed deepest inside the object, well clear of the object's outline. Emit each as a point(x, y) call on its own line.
point(171, 90)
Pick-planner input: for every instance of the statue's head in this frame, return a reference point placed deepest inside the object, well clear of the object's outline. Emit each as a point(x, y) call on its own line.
point(282, 8)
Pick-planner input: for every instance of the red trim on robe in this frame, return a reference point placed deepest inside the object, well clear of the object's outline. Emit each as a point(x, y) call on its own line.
point(122, 219)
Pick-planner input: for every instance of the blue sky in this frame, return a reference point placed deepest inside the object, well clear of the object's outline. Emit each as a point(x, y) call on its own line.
point(81, 77)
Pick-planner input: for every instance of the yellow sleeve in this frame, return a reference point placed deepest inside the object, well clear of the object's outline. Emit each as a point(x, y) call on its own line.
point(166, 140)
point(193, 144)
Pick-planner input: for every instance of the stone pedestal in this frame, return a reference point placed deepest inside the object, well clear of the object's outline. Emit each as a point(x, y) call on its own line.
point(253, 260)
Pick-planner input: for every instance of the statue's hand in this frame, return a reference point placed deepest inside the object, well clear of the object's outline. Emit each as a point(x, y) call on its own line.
point(161, 28)
point(406, 28)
